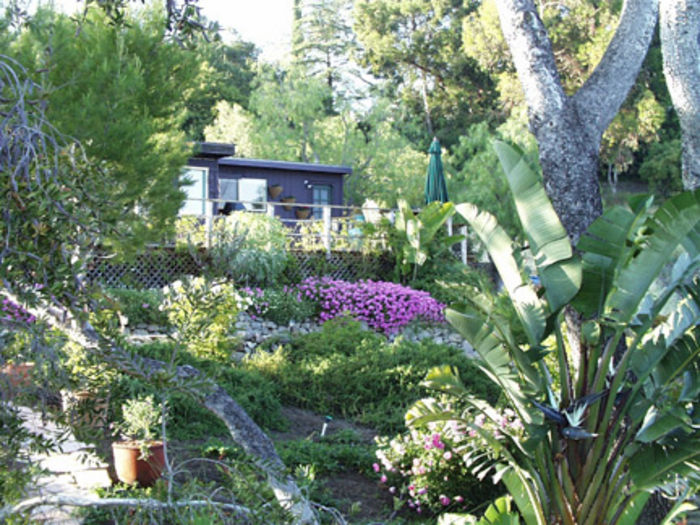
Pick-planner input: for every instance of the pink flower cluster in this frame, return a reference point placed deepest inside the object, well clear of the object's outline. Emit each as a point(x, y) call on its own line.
point(14, 313)
point(384, 306)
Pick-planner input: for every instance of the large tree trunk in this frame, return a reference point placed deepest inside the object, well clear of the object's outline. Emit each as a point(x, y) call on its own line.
point(569, 128)
point(680, 45)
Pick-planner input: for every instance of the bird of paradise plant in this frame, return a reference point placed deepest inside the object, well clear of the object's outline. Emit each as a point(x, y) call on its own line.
point(612, 414)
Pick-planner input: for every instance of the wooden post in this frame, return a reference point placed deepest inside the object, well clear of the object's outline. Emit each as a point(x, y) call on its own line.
point(270, 209)
point(208, 221)
point(449, 226)
point(463, 231)
point(327, 229)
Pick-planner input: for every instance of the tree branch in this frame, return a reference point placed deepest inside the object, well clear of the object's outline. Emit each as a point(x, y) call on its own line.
point(601, 96)
point(680, 44)
point(534, 61)
point(148, 504)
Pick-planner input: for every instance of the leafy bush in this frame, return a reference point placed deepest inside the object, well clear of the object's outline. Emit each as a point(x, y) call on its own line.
point(662, 167)
point(281, 305)
point(246, 247)
point(204, 315)
point(139, 306)
point(255, 393)
point(428, 468)
point(383, 306)
point(346, 371)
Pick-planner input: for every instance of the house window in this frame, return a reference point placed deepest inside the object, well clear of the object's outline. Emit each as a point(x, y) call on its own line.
point(228, 193)
point(254, 193)
point(322, 195)
point(196, 191)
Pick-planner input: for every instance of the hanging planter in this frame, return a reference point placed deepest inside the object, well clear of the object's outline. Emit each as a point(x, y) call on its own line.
point(275, 190)
point(302, 212)
point(288, 199)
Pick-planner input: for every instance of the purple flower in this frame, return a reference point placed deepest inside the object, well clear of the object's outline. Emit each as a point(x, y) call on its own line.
point(444, 500)
point(375, 466)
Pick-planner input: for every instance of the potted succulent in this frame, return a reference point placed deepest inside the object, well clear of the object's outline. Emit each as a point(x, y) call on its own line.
point(288, 199)
point(140, 457)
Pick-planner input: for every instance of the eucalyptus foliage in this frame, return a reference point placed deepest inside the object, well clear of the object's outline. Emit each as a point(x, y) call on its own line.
point(621, 419)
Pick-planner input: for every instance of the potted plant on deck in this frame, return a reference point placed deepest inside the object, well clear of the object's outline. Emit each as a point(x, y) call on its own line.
point(288, 200)
point(139, 458)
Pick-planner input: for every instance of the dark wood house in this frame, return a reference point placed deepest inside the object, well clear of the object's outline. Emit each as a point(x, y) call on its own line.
point(251, 183)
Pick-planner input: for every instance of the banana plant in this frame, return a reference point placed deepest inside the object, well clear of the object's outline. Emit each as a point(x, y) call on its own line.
point(417, 234)
point(610, 411)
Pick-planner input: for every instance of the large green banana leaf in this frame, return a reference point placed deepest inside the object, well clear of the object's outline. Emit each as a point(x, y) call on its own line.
point(676, 223)
point(529, 307)
point(559, 270)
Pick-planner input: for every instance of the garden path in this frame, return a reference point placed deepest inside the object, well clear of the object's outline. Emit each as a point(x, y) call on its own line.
point(72, 469)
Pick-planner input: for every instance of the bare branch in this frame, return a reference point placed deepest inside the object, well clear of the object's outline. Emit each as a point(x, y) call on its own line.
point(147, 504)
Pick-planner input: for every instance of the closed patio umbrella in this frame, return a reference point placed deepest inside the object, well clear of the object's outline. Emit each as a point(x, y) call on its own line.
point(435, 187)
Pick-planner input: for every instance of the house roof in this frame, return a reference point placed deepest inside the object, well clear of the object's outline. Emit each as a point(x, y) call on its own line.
point(285, 166)
point(215, 149)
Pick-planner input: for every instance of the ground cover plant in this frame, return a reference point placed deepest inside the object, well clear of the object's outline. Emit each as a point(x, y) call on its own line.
point(346, 371)
point(385, 307)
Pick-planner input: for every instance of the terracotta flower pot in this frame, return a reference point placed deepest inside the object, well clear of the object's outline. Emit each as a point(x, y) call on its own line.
point(275, 190)
point(18, 375)
point(302, 212)
point(130, 469)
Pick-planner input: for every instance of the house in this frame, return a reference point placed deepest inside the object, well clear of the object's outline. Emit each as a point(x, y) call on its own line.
point(251, 183)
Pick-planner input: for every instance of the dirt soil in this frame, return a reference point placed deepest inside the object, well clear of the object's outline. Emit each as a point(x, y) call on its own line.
point(359, 499)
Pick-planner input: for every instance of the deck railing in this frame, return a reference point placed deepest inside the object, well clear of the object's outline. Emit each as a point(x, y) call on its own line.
point(338, 228)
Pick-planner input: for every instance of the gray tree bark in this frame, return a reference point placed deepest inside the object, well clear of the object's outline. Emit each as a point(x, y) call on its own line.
point(680, 46)
point(568, 129)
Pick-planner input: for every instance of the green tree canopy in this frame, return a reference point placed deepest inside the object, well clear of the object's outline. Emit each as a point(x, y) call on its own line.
point(121, 92)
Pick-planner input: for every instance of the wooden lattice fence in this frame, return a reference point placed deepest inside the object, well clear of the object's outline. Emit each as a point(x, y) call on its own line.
point(160, 266)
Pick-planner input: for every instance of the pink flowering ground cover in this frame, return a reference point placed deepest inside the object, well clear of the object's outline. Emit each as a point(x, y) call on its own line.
point(384, 306)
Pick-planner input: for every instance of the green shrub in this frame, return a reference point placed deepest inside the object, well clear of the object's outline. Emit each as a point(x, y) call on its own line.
point(280, 305)
point(352, 373)
point(204, 315)
point(256, 394)
point(249, 248)
point(139, 306)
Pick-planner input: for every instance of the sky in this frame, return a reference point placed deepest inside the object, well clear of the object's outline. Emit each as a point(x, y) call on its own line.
point(266, 23)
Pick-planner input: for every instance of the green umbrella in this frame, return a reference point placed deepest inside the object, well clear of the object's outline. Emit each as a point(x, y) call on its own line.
point(435, 187)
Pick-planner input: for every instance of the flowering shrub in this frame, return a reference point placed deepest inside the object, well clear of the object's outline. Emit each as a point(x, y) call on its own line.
point(203, 315)
point(15, 313)
point(385, 307)
point(429, 468)
point(279, 306)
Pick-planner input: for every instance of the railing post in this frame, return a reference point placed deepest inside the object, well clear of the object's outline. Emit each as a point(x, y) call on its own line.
point(449, 226)
point(463, 244)
point(208, 220)
point(270, 209)
point(327, 229)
